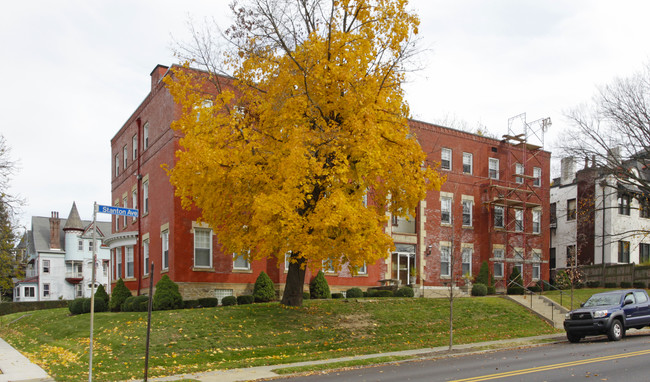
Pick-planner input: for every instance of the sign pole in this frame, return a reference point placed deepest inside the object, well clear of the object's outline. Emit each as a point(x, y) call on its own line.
point(92, 295)
point(146, 356)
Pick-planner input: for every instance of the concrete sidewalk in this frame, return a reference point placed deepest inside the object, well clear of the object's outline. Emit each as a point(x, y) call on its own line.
point(260, 372)
point(16, 367)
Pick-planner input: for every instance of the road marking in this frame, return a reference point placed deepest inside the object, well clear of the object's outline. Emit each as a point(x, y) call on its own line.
point(552, 367)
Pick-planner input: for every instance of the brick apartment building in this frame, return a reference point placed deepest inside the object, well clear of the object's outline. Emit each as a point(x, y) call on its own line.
point(492, 208)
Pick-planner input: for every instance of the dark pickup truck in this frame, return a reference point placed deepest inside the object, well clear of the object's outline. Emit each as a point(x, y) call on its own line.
point(610, 313)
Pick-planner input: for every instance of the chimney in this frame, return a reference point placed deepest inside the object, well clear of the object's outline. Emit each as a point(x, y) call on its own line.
point(568, 170)
point(55, 228)
point(157, 74)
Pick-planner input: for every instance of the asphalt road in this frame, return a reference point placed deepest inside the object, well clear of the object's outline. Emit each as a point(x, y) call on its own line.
point(594, 359)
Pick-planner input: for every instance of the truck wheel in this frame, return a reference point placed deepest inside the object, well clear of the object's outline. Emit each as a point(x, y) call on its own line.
point(573, 338)
point(616, 331)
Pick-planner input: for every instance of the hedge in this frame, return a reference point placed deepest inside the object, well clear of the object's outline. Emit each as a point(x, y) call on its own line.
point(27, 306)
point(229, 300)
point(136, 304)
point(245, 299)
point(639, 284)
point(405, 291)
point(208, 302)
point(479, 289)
point(119, 294)
point(337, 295)
point(191, 304)
point(354, 293)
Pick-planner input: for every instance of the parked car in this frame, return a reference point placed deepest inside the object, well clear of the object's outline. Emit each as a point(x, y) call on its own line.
point(611, 313)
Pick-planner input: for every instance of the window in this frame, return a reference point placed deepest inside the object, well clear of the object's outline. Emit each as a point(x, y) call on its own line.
point(519, 261)
point(445, 260)
point(80, 245)
point(202, 247)
point(553, 214)
point(519, 220)
point(145, 197)
point(287, 257)
point(117, 164)
point(537, 259)
point(537, 218)
point(126, 155)
point(445, 159)
point(571, 209)
point(499, 213)
point(537, 177)
point(118, 262)
point(362, 270)
point(623, 203)
point(468, 163)
point(145, 136)
point(445, 210)
point(519, 170)
point(467, 213)
point(570, 255)
point(644, 253)
point(90, 245)
point(134, 143)
point(29, 291)
point(498, 262)
point(145, 257)
point(493, 168)
point(46, 290)
point(623, 251)
point(165, 249)
point(46, 266)
point(129, 262)
point(466, 257)
point(240, 261)
point(78, 290)
point(105, 268)
point(328, 266)
point(644, 207)
point(640, 297)
point(134, 200)
point(18, 291)
point(125, 204)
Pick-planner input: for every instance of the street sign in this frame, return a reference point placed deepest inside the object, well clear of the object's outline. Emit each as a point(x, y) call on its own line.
point(118, 211)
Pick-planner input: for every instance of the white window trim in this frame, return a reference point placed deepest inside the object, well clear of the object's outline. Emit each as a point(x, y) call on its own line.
point(470, 164)
point(442, 156)
point(145, 255)
point(209, 232)
point(129, 258)
point(503, 216)
point(444, 199)
point(537, 175)
point(471, 212)
point(164, 246)
point(447, 272)
point(519, 170)
point(496, 174)
point(238, 268)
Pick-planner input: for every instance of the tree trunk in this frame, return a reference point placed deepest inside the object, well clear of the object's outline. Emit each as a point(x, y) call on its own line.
point(295, 280)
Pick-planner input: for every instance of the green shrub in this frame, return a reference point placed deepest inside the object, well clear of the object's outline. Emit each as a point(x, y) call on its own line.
point(354, 293)
point(76, 306)
point(229, 300)
point(405, 291)
point(136, 304)
point(535, 288)
point(167, 295)
point(516, 276)
point(100, 305)
point(208, 302)
point(479, 289)
point(593, 284)
point(119, 294)
point(318, 287)
point(380, 293)
point(483, 276)
point(367, 293)
point(245, 299)
point(264, 290)
point(101, 293)
point(639, 285)
point(626, 284)
point(610, 285)
point(27, 306)
point(337, 295)
point(86, 305)
point(191, 304)
point(305, 295)
point(491, 290)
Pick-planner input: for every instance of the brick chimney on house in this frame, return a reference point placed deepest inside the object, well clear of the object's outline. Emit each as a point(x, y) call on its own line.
point(55, 226)
point(157, 74)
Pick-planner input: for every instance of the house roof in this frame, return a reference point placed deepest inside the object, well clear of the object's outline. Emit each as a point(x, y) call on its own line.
point(74, 221)
point(40, 233)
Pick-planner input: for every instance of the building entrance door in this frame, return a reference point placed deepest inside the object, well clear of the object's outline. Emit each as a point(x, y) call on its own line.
point(404, 264)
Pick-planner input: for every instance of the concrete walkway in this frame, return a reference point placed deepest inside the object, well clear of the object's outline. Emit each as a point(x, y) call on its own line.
point(16, 367)
point(544, 307)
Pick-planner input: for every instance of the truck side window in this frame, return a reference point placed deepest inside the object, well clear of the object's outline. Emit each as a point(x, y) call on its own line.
point(640, 297)
point(629, 297)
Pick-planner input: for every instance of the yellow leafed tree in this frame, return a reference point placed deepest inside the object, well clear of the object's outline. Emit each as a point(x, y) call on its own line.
point(305, 149)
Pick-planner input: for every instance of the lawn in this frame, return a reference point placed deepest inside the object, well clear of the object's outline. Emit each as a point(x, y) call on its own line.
point(184, 341)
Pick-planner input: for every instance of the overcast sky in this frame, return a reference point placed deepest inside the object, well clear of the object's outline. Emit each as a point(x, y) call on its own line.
point(74, 71)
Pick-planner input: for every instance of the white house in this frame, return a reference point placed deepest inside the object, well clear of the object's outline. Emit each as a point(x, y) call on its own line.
point(598, 218)
point(59, 260)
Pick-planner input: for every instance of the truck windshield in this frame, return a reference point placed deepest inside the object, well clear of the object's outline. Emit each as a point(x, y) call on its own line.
point(603, 299)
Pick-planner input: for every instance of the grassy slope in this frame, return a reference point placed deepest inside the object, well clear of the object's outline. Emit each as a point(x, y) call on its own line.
point(579, 296)
point(228, 337)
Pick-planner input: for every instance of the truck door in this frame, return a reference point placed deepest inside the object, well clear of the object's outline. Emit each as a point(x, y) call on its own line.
point(630, 310)
point(643, 308)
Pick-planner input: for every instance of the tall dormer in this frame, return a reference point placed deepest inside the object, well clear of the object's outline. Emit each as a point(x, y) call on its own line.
point(73, 230)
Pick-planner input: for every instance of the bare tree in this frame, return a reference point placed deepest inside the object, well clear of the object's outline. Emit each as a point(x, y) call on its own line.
point(9, 264)
point(613, 130)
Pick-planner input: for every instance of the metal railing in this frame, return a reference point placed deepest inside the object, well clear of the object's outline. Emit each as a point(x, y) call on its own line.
point(532, 293)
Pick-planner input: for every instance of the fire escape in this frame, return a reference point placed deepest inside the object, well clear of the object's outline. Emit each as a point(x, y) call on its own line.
point(514, 196)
